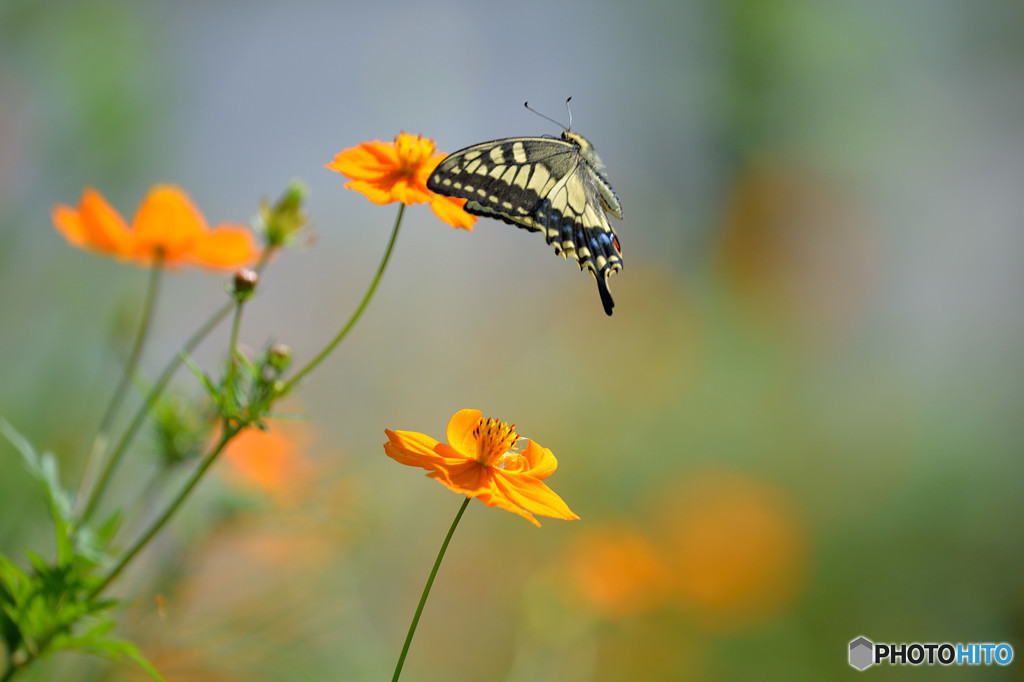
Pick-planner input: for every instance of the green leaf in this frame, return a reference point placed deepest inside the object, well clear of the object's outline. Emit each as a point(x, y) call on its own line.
point(248, 365)
point(198, 372)
point(94, 544)
point(12, 585)
point(13, 579)
point(41, 609)
point(50, 609)
point(97, 641)
point(38, 562)
point(20, 443)
point(60, 499)
point(45, 471)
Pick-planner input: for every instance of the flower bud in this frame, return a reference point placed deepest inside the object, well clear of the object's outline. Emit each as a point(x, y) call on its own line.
point(244, 283)
point(279, 356)
point(283, 221)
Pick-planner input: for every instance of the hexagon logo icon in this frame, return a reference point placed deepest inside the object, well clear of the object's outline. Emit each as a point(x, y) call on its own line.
point(861, 653)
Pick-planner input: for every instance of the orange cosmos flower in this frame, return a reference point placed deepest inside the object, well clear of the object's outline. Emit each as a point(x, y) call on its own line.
point(737, 546)
point(398, 171)
point(615, 571)
point(167, 226)
point(271, 461)
point(480, 461)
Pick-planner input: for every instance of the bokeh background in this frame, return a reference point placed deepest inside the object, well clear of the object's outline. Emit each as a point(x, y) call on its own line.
point(802, 424)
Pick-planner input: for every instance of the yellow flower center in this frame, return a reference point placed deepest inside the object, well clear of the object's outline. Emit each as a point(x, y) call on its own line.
point(413, 151)
point(495, 440)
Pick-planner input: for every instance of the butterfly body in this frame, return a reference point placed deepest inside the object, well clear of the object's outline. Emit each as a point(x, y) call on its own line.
point(542, 184)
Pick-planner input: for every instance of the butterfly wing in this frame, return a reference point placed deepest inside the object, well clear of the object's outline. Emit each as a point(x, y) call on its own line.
point(544, 185)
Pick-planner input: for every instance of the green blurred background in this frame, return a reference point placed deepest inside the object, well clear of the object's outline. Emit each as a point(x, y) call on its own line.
point(802, 424)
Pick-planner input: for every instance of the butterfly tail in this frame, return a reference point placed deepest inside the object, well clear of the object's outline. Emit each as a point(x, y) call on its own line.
point(606, 295)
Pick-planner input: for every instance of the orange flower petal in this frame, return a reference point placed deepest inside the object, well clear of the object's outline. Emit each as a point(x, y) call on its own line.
point(429, 166)
point(542, 461)
point(532, 495)
point(167, 223)
point(448, 209)
point(451, 211)
point(68, 222)
point(465, 477)
point(226, 246)
point(409, 447)
point(95, 225)
point(417, 449)
point(409, 192)
point(377, 191)
point(460, 432)
point(103, 225)
point(367, 161)
point(500, 500)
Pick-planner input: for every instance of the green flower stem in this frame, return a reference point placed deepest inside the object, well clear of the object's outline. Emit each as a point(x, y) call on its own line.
point(154, 528)
point(102, 438)
point(229, 375)
point(154, 393)
point(426, 590)
point(356, 315)
point(147, 404)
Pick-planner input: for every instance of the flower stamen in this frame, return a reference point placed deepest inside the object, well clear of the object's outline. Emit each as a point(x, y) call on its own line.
point(412, 151)
point(495, 440)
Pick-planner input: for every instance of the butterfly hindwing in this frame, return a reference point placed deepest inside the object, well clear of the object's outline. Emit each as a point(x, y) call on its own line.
point(541, 184)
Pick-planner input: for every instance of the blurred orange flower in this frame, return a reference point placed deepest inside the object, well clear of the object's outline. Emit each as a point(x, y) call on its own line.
point(270, 461)
point(398, 171)
point(616, 571)
point(481, 461)
point(738, 548)
point(167, 227)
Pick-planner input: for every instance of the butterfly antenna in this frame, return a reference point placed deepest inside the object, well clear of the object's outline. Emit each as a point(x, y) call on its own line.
point(548, 118)
point(570, 112)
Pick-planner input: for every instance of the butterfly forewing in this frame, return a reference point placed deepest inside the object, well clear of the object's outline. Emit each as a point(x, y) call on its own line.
point(541, 184)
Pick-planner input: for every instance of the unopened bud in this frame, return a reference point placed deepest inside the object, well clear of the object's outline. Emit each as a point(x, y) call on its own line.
point(244, 283)
point(279, 357)
point(283, 221)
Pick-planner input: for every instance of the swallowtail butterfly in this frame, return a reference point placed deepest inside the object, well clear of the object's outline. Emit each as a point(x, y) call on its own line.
point(542, 184)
